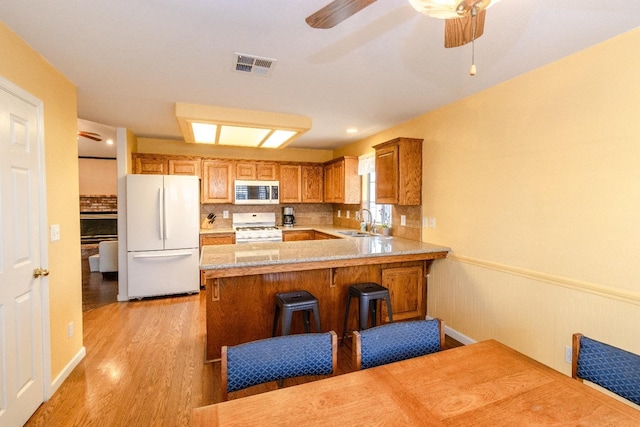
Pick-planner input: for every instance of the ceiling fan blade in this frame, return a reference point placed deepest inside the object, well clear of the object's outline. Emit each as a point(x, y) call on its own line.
point(90, 135)
point(336, 12)
point(457, 31)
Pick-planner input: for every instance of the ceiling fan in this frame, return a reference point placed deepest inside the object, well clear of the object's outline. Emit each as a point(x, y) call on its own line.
point(91, 135)
point(464, 18)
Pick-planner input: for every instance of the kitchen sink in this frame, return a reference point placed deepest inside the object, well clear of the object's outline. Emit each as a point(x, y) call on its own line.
point(353, 233)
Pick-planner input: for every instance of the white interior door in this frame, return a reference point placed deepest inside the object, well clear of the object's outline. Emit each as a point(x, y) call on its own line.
point(21, 210)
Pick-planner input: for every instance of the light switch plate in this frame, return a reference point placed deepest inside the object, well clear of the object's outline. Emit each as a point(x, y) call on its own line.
point(55, 232)
point(403, 220)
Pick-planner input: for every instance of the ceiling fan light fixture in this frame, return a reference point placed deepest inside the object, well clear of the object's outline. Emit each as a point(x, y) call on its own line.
point(448, 9)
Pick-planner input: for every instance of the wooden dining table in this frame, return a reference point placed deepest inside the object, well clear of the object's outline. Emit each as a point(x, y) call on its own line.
point(482, 384)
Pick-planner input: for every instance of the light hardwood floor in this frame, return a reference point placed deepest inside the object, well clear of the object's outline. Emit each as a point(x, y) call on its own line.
point(144, 364)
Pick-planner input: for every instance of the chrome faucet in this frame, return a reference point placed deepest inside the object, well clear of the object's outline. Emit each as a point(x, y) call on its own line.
point(372, 220)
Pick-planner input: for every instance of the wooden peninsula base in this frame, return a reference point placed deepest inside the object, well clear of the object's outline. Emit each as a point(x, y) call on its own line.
point(240, 308)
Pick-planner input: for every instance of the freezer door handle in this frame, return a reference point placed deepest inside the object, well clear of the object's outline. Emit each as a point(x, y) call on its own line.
point(163, 255)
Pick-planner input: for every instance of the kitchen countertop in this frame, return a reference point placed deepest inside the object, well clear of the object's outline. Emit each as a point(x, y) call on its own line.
point(256, 258)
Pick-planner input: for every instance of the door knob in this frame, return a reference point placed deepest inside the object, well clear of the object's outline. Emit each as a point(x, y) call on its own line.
point(40, 272)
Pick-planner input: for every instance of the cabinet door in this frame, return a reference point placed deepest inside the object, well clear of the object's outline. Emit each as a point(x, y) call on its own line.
point(217, 181)
point(245, 170)
point(290, 236)
point(267, 172)
point(337, 182)
point(387, 175)
point(152, 165)
point(257, 170)
point(328, 184)
point(184, 167)
point(407, 291)
point(312, 188)
point(217, 239)
point(290, 188)
point(319, 235)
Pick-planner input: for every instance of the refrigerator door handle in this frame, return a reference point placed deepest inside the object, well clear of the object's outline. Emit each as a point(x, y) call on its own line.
point(164, 210)
point(162, 255)
point(160, 214)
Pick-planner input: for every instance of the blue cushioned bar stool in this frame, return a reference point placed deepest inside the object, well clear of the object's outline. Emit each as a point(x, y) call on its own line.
point(368, 293)
point(289, 302)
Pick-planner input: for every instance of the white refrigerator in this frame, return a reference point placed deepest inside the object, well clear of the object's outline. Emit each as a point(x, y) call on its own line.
point(163, 226)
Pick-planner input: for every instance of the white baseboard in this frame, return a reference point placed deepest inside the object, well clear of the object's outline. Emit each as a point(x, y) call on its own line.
point(461, 338)
point(458, 336)
point(57, 382)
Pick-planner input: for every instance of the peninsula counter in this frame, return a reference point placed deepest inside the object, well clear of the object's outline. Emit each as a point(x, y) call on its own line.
point(242, 281)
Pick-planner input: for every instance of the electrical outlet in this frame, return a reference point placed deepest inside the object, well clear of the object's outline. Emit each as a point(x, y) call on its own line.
point(567, 354)
point(432, 222)
point(403, 220)
point(339, 213)
point(425, 222)
point(55, 232)
point(357, 215)
point(70, 329)
point(348, 214)
point(225, 214)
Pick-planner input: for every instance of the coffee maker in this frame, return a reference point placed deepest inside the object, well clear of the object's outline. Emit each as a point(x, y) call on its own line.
point(287, 216)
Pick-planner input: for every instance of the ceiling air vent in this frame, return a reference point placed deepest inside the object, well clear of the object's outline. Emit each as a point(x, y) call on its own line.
point(253, 64)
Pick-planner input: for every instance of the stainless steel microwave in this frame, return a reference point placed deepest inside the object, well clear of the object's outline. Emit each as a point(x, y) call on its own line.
point(257, 192)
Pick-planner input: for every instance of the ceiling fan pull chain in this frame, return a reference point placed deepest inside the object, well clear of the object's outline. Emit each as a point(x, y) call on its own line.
point(474, 13)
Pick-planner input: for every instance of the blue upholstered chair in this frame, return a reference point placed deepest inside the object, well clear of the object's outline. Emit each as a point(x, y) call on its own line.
point(615, 369)
point(274, 359)
point(397, 341)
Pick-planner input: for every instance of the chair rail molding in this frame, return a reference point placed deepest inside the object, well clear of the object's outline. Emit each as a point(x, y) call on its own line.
point(592, 288)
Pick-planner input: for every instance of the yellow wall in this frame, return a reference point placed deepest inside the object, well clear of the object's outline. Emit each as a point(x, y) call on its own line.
point(168, 146)
point(27, 69)
point(97, 177)
point(537, 191)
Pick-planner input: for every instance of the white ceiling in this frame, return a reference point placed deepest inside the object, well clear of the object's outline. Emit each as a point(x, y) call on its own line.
point(133, 59)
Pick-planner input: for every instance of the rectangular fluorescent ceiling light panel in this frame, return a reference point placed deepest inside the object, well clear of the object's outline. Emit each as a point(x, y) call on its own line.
point(237, 127)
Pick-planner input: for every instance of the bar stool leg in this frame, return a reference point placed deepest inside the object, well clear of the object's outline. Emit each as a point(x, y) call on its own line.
point(364, 313)
point(307, 324)
point(373, 306)
point(346, 319)
point(286, 322)
point(316, 316)
point(275, 321)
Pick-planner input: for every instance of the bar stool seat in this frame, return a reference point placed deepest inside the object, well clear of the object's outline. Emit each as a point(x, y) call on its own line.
point(368, 294)
point(288, 302)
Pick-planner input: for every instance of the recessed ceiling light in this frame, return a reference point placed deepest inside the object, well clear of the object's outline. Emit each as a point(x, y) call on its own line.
point(352, 130)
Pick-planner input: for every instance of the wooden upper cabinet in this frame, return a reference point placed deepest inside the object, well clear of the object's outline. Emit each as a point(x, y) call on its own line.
point(150, 164)
point(159, 164)
point(312, 185)
point(290, 184)
point(301, 183)
point(399, 171)
point(217, 181)
point(342, 184)
point(185, 167)
point(263, 171)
